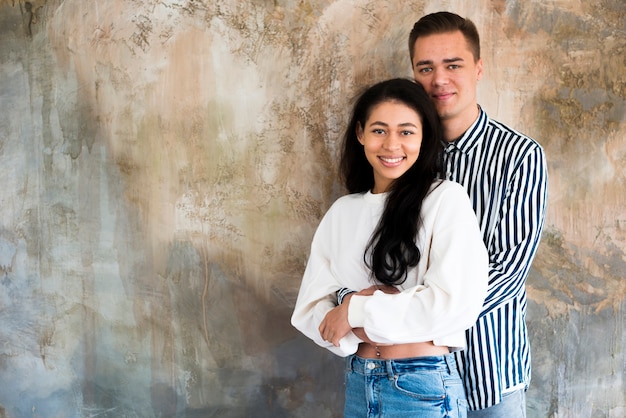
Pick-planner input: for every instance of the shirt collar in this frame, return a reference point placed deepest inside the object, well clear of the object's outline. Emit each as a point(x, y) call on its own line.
point(473, 136)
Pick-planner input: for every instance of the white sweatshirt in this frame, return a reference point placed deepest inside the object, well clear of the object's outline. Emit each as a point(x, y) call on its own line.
point(441, 297)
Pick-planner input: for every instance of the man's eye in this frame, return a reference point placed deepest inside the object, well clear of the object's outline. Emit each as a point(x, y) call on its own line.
point(425, 70)
point(453, 66)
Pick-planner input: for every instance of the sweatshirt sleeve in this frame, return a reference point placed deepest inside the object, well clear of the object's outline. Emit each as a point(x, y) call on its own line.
point(317, 293)
point(454, 283)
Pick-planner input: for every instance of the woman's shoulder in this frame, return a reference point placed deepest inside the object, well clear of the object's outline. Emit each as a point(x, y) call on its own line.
point(348, 199)
point(448, 200)
point(358, 199)
point(354, 203)
point(440, 187)
point(345, 202)
point(446, 192)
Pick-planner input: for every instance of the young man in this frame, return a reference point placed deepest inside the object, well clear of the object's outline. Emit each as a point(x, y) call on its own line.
point(505, 175)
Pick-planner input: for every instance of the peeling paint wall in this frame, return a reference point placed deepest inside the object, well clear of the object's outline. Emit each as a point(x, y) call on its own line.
point(165, 163)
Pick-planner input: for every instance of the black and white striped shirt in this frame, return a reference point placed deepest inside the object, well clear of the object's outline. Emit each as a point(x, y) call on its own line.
point(505, 175)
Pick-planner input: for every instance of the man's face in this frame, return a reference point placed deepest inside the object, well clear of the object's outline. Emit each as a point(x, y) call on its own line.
point(444, 65)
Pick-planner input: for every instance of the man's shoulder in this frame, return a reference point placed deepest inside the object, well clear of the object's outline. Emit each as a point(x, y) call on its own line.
point(497, 130)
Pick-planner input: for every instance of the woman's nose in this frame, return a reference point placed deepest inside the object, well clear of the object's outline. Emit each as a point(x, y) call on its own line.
point(392, 142)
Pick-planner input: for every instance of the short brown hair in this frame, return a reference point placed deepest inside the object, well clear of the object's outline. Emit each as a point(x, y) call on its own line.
point(444, 22)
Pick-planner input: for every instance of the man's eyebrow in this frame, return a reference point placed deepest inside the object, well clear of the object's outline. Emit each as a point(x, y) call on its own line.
point(446, 61)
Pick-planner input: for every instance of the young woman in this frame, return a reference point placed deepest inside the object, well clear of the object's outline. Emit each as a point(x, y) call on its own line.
point(410, 244)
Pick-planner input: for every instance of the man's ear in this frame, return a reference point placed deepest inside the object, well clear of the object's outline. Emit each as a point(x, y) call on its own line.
point(479, 69)
point(359, 132)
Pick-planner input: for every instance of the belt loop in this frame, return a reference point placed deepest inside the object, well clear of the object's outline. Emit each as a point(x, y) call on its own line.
point(349, 363)
point(450, 362)
point(389, 367)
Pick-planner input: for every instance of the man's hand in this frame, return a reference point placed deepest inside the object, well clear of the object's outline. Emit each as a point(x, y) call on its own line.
point(335, 325)
point(390, 290)
point(360, 332)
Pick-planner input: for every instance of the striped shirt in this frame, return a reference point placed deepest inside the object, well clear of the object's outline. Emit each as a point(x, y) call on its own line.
point(505, 174)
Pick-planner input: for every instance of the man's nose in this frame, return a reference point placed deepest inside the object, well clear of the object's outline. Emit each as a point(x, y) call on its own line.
point(440, 77)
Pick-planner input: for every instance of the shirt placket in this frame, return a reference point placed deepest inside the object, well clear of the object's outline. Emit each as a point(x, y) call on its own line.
point(451, 156)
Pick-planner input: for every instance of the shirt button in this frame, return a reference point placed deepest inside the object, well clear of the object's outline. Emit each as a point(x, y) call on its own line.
point(371, 366)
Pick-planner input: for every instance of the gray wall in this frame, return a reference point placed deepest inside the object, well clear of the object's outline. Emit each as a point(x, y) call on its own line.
point(165, 163)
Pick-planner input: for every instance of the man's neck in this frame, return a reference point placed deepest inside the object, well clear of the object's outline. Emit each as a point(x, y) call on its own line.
point(454, 128)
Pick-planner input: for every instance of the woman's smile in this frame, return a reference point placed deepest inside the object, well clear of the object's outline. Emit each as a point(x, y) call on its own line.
point(391, 161)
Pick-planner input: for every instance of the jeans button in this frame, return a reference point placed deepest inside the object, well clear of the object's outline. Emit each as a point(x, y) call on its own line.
point(371, 366)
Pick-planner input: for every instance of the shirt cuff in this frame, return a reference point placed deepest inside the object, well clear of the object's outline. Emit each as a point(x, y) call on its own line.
point(356, 311)
point(342, 293)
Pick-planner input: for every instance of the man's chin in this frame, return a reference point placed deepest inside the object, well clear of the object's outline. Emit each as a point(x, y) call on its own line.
point(445, 113)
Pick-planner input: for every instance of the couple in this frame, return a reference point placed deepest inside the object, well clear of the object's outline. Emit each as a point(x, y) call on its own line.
point(398, 279)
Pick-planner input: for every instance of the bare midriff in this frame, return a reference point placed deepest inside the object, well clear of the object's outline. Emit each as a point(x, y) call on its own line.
point(399, 351)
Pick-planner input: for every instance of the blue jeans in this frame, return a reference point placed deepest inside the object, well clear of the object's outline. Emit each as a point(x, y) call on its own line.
point(422, 387)
point(513, 405)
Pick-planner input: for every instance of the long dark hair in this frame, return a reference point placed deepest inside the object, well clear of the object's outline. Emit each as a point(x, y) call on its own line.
point(392, 249)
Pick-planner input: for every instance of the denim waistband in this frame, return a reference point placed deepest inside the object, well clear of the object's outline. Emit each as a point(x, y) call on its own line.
point(368, 366)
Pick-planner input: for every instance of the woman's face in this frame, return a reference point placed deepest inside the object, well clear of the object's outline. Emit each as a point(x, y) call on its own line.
point(391, 138)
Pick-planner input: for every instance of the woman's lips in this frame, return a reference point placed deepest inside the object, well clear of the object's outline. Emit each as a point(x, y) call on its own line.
point(391, 161)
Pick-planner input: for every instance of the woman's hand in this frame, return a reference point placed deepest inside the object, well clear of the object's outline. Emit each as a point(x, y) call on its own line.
point(335, 325)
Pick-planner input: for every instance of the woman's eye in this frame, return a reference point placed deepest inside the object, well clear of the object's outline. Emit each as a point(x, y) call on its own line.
point(378, 131)
point(407, 132)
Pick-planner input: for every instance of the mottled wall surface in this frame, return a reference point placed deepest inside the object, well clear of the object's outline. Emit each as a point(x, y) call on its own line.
point(165, 163)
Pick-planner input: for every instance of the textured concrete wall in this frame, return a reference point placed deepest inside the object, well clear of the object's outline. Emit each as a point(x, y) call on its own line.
point(165, 163)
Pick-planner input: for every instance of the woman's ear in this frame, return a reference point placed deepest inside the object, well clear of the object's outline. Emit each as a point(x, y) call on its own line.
point(359, 133)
